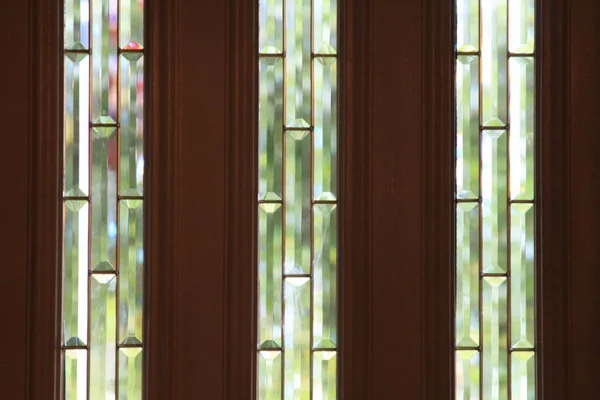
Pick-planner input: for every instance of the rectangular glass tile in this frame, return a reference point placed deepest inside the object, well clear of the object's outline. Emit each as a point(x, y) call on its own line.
point(522, 26)
point(495, 331)
point(76, 125)
point(467, 25)
point(494, 60)
point(325, 277)
point(131, 272)
point(270, 129)
point(298, 63)
point(131, 24)
point(467, 274)
point(324, 375)
point(77, 24)
point(104, 61)
point(522, 375)
point(325, 129)
point(297, 202)
point(467, 375)
point(270, 20)
point(494, 195)
point(270, 274)
point(297, 339)
point(325, 26)
point(522, 274)
point(104, 198)
point(522, 125)
point(130, 373)
point(75, 374)
point(467, 127)
point(75, 272)
point(132, 124)
point(103, 349)
point(269, 375)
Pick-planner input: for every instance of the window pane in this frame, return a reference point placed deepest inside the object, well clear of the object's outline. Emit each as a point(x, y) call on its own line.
point(103, 234)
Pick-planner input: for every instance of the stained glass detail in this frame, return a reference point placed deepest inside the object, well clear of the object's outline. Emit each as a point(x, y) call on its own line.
point(269, 375)
point(297, 349)
point(103, 217)
point(325, 375)
point(495, 200)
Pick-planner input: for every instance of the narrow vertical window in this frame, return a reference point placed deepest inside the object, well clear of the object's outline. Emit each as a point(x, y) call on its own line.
point(297, 200)
point(103, 255)
point(495, 210)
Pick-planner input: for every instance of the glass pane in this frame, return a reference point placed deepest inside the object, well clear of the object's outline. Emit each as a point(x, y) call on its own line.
point(494, 59)
point(76, 128)
point(522, 112)
point(131, 24)
point(522, 25)
point(104, 61)
point(104, 198)
point(467, 375)
point(75, 272)
point(131, 272)
point(269, 375)
point(325, 131)
point(270, 136)
point(522, 273)
point(297, 202)
point(495, 339)
point(523, 375)
point(297, 339)
point(467, 275)
point(103, 321)
point(130, 373)
point(325, 26)
point(298, 57)
point(270, 20)
point(467, 25)
point(132, 124)
point(467, 127)
point(77, 24)
point(324, 375)
point(494, 197)
point(325, 277)
point(75, 374)
point(270, 275)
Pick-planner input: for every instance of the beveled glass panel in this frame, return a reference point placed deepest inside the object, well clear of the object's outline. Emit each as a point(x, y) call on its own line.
point(77, 24)
point(467, 375)
point(298, 59)
point(467, 127)
point(131, 271)
point(104, 198)
point(270, 20)
point(131, 24)
point(269, 375)
point(522, 375)
point(103, 321)
point(75, 272)
point(270, 129)
point(104, 61)
point(76, 125)
point(297, 202)
point(325, 130)
point(130, 373)
point(467, 25)
point(75, 371)
point(324, 375)
point(522, 26)
point(132, 124)
point(494, 60)
point(297, 339)
point(270, 275)
point(522, 125)
point(522, 274)
point(467, 274)
point(325, 276)
point(325, 27)
point(495, 331)
point(494, 195)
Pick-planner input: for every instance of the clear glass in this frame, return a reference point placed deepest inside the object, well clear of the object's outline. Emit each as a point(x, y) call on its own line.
point(523, 375)
point(130, 373)
point(325, 378)
point(467, 374)
point(495, 338)
point(522, 26)
point(269, 375)
point(77, 24)
point(298, 63)
point(297, 339)
point(325, 27)
point(75, 374)
point(270, 20)
point(131, 24)
point(467, 25)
